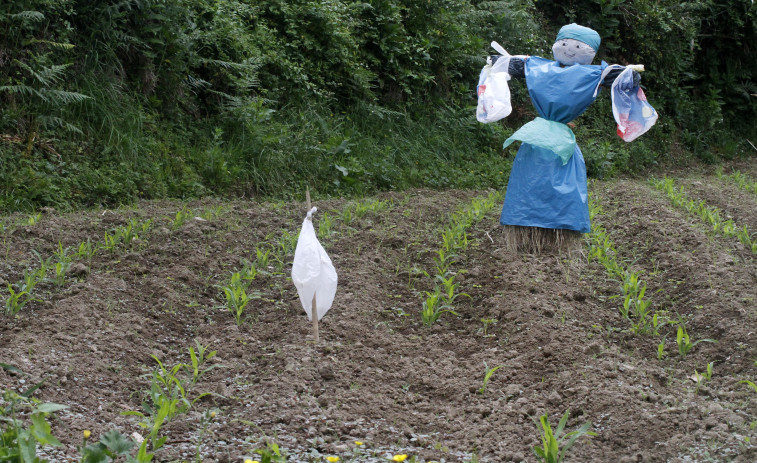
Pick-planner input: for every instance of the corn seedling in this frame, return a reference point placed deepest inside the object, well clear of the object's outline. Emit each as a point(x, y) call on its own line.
point(212, 213)
point(661, 350)
point(364, 207)
point(487, 322)
point(237, 297)
point(16, 300)
point(325, 226)
point(710, 215)
point(701, 378)
point(684, 341)
point(749, 383)
point(198, 358)
point(62, 265)
point(262, 258)
point(454, 239)
point(181, 218)
point(742, 181)
point(555, 445)
point(433, 308)
point(635, 307)
point(487, 376)
point(33, 219)
point(86, 250)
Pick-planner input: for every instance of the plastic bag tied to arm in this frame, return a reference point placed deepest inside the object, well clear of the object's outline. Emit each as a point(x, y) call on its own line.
point(313, 274)
point(492, 90)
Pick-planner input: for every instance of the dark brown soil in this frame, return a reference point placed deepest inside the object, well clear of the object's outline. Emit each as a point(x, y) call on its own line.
point(378, 375)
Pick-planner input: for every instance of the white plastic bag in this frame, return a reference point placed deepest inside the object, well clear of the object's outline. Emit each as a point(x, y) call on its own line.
point(493, 90)
point(633, 114)
point(312, 271)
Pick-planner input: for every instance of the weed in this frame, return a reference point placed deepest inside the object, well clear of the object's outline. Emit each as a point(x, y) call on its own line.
point(487, 376)
point(555, 445)
point(271, 454)
point(111, 446)
point(167, 398)
point(19, 441)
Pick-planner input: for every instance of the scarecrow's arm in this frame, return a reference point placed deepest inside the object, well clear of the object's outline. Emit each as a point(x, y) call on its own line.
point(516, 67)
point(517, 70)
point(614, 73)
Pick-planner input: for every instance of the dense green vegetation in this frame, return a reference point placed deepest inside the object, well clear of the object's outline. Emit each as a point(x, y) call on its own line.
point(105, 102)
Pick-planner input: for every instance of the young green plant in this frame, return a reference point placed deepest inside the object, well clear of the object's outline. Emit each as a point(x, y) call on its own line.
point(555, 445)
point(487, 376)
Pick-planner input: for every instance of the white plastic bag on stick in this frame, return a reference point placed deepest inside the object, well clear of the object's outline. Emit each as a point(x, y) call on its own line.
point(312, 271)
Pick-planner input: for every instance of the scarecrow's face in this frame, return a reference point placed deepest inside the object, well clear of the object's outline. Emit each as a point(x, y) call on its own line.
point(570, 51)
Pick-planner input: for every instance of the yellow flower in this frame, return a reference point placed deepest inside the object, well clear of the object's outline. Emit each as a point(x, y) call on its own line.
point(358, 443)
point(251, 461)
point(212, 414)
point(87, 433)
point(402, 457)
point(332, 459)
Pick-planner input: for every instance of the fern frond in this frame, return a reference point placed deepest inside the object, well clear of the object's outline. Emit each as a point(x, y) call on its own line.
point(46, 75)
point(30, 15)
point(61, 45)
point(23, 90)
point(53, 122)
point(196, 83)
point(64, 97)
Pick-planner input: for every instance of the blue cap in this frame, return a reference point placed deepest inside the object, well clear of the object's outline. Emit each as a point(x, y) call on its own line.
point(583, 34)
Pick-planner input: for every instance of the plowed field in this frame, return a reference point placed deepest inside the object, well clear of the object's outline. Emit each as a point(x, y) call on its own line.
point(553, 322)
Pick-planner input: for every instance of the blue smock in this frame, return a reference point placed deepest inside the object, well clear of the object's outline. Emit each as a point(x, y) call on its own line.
point(547, 186)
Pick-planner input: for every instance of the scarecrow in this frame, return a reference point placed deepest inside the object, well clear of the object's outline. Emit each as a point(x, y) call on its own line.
point(546, 202)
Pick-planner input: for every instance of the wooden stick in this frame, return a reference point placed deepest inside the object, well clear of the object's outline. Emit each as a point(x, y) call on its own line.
point(314, 310)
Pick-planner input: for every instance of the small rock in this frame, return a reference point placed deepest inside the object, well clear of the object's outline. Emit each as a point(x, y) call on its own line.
point(513, 390)
point(326, 373)
point(554, 398)
point(593, 349)
point(78, 270)
point(710, 423)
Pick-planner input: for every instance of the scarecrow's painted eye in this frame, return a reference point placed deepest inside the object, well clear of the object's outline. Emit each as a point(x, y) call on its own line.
point(578, 46)
point(564, 44)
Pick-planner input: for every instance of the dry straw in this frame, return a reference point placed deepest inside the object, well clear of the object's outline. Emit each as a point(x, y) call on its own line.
point(535, 240)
